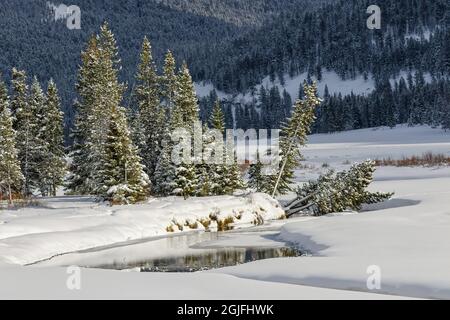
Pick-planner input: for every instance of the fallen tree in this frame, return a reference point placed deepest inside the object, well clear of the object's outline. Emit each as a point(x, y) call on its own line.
point(337, 192)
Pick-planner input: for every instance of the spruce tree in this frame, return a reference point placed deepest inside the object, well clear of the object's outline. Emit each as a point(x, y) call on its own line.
point(336, 192)
point(123, 177)
point(186, 102)
point(169, 81)
point(26, 107)
point(38, 150)
point(100, 92)
point(11, 177)
point(185, 114)
point(81, 179)
point(186, 180)
point(165, 172)
point(217, 120)
point(256, 178)
point(52, 167)
point(228, 173)
point(151, 119)
point(292, 137)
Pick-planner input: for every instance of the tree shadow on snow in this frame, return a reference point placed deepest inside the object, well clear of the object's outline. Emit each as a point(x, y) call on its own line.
point(389, 204)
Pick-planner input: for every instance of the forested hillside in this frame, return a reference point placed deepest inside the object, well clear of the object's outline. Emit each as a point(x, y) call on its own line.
point(234, 44)
point(32, 41)
point(413, 34)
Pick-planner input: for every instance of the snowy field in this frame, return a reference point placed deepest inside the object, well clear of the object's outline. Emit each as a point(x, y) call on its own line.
point(406, 238)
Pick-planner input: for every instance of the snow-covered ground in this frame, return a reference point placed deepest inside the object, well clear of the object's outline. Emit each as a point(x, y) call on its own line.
point(406, 239)
point(67, 224)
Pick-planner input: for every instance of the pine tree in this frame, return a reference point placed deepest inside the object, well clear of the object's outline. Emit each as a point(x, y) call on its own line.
point(38, 150)
point(208, 170)
point(292, 137)
point(231, 179)
point(123, 177)
point(81, 179)
point(25, 122)
point(186, 180)
point(11, 177)
point(165, 172)
point(150, 116)
point(217, 120)
point(100, 92)
point(256, 178)
point(169, 81)
point(52, 167)
point(186, 102)
point(336, 192)
point(185, 114)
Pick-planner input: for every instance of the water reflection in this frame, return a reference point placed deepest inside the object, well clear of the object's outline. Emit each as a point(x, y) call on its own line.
point(211, 259)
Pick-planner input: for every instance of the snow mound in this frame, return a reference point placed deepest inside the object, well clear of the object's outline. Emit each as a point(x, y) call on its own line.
point(68, 224)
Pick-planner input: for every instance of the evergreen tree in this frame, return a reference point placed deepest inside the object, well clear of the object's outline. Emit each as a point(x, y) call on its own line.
point(52, 165)
point(169, 80)
point(81, 179)
point(151, 119)
point(292, 137)
point(256, 178)
point(100, 93)
point(124, 180)
point(165, 172)
point(38, 147)
point(231, 177)
point(186, 102)
point(186, 180)
point(26, 125)
point(217, 120)
point(185, 114)
point(11, 177)
point(336, 192)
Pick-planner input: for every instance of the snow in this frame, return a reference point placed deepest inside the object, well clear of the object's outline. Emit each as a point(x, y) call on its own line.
point(409, 243)
point(67, 224)
point(339, 150)
point(50, 283)
point(405, 237)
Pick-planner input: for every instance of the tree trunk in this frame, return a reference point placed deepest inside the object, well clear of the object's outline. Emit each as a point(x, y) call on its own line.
point(10, 194)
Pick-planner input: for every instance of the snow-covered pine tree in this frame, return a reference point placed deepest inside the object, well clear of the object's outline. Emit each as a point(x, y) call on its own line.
point(100, 92)
point(336, 192)
point(19, 98)
point(80, 180)
point(185, 113)
point(217, 120)
point(186, 101)
point(151, 118)
point(207, 171)
point(256, 179)
point(52, 165)
point(228, 173)
point(11, 177)
point(186, 180)
point(25, 122)
point(231, 179)
point(123, 176)
point(38, 146)
point(292, 137)
point(165, 173)
point(169, 81)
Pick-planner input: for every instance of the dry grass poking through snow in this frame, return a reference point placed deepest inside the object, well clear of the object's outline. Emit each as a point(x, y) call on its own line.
point(427, 159)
